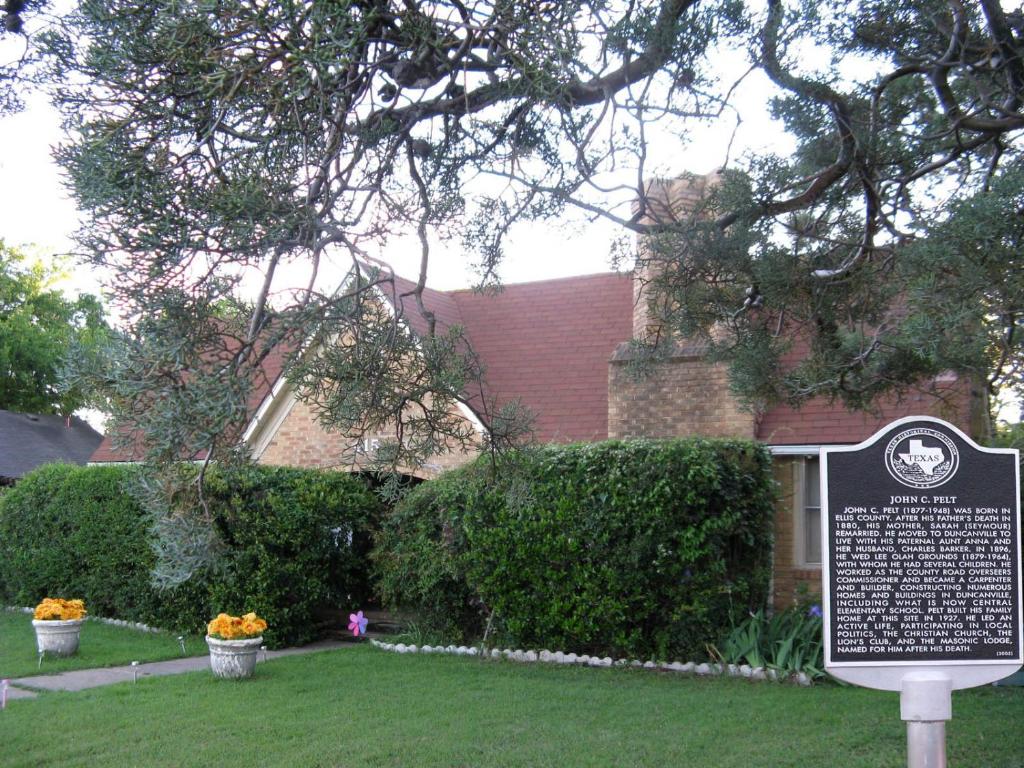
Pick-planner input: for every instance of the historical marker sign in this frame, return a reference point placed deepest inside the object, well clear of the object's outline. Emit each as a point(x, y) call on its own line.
point(922, 566)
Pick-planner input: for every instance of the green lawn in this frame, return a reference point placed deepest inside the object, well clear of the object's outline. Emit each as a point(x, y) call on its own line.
point(101, 646)
point(363, 707)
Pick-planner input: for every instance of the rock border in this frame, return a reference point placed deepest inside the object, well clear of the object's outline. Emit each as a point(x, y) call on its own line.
point(137, 625)
point(701, 669)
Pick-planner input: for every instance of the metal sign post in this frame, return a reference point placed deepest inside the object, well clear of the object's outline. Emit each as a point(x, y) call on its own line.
point(926, 703)
point(921, 570)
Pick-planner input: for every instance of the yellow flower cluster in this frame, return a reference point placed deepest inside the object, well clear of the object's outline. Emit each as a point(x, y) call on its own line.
point(227, 627)
point(59, 609)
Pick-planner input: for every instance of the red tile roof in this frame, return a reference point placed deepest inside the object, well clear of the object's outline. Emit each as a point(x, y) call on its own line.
point(131, 451)
point(442, 303)
point(544, 343)
point(106, 452)
point(820, 422)
point(548, 344)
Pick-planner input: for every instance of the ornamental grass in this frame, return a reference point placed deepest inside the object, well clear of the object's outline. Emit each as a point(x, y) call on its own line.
point(226, 627)
point(59, 609)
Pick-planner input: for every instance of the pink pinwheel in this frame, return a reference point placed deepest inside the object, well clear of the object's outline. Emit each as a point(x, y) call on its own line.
point(357, 623)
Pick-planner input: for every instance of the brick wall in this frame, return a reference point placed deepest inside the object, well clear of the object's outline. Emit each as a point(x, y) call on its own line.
point(685, 395)
point(301, 441)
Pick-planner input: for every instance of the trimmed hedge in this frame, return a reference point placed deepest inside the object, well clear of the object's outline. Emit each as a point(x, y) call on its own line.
point(76, 532)
point(640, 548)
point(420, 558)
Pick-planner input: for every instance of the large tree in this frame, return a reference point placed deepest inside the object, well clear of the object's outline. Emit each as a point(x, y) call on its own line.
point(40, 330)
point(215, 140)
point(19, 55)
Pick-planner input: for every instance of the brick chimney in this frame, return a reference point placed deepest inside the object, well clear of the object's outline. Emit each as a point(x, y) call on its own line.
point(667, 201)
point(683, 394)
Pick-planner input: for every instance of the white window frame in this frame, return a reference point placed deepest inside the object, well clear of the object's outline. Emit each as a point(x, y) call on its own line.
point(800, 514)
point(800, 454)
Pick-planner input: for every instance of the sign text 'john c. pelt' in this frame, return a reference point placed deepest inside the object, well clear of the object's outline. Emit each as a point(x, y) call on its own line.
point(922, 540)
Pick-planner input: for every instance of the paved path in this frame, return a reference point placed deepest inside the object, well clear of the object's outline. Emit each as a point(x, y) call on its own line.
point(80, 679)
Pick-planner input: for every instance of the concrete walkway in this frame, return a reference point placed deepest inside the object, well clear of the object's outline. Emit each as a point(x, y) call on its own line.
point(80, 679)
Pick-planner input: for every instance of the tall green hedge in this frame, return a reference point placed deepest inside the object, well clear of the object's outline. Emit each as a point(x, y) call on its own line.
point(640, 548)
point(421, 555)
point(77, 532)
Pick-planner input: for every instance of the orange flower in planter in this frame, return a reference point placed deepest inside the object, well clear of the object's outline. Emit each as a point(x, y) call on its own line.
point(59, 609)
point(253, 624)
point(227, 627)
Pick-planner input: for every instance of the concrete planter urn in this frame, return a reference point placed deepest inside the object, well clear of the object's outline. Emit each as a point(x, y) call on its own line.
point(58, 638)
point(233, 659)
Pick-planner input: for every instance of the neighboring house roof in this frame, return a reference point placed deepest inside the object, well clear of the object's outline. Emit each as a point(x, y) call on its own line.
point(544, 343)
point(28, 441)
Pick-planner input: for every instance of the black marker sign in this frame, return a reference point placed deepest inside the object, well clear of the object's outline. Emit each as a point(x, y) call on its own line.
point(922, 542)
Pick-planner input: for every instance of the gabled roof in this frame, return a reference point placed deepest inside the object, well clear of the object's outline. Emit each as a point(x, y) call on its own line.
point(442, 303)
point(28, 441)
point(545, 343)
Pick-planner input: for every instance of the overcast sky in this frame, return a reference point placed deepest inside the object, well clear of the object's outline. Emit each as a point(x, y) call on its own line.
point(36, 209)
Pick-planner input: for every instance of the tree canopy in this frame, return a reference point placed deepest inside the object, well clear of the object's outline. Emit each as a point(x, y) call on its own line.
point(220, 141)
point(39, 330)
point(18, 57)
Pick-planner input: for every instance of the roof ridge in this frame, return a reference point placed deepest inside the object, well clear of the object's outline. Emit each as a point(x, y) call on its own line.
point(384, 264)
point(566, 278)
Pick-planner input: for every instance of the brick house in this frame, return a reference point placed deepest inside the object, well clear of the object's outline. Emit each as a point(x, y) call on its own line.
point(562, 347)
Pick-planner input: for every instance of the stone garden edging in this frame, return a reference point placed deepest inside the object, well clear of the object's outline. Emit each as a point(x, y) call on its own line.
point(558, 657)
point(113, 622)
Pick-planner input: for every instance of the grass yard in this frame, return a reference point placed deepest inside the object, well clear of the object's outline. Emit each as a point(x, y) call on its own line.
point(364, 707)
point(101, 646)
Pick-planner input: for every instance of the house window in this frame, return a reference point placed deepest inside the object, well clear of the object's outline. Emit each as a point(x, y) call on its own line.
point(808, 513)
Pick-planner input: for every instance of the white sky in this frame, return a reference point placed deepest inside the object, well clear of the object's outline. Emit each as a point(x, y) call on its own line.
point(36, 209)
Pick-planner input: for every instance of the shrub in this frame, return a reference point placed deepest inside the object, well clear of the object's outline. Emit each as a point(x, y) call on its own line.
point(288, 534)
point(420, 561)
point(640, 548)
point(73, 530)
point(66, 529)
point(789, 641)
